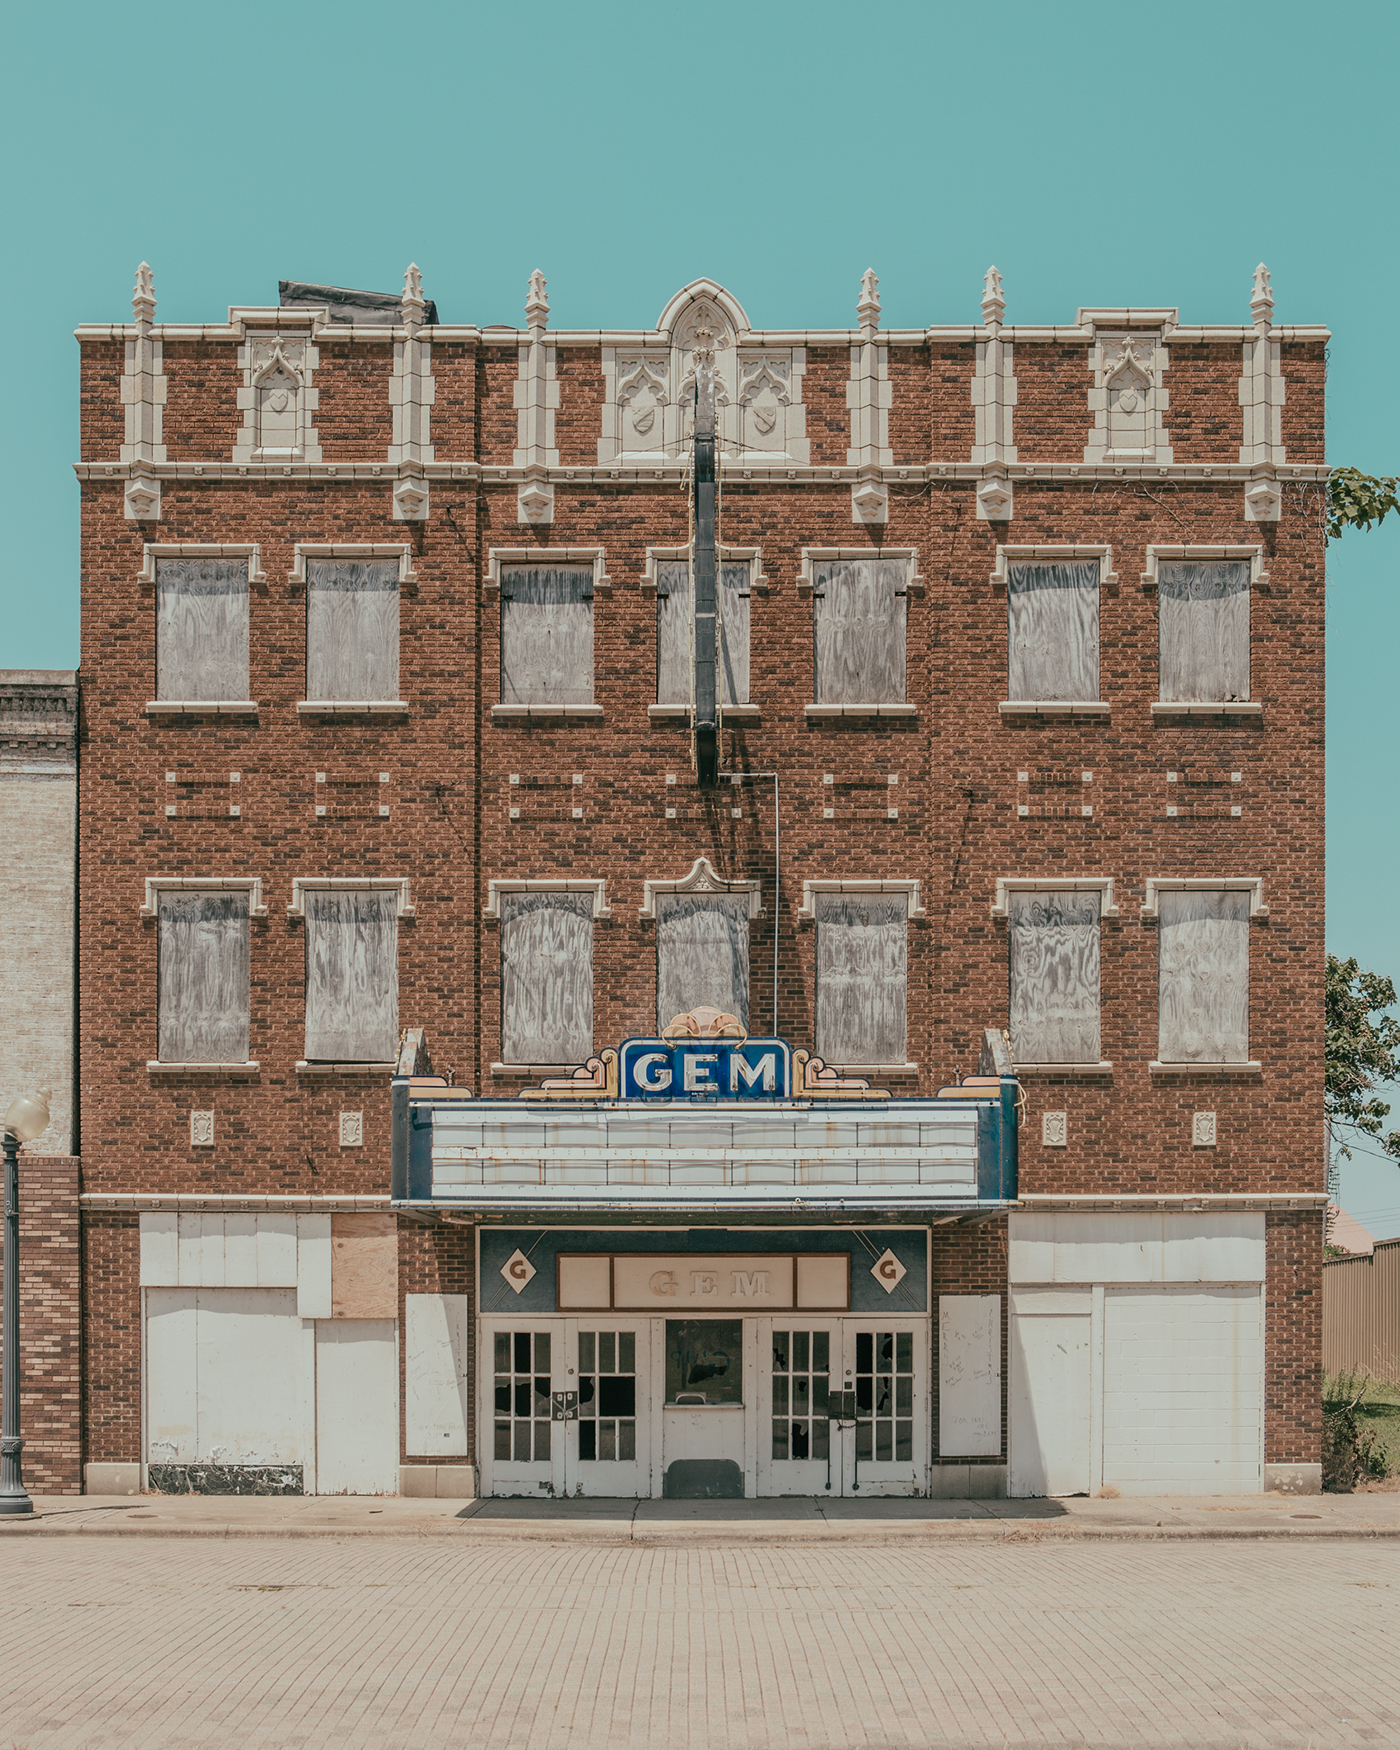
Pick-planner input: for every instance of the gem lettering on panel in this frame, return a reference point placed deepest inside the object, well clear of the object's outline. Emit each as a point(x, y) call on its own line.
point(698, 1074)
point(664, 1282)
point(751, 1283)
point(764, 1072)
point(704, 1282)
point(653, 1072)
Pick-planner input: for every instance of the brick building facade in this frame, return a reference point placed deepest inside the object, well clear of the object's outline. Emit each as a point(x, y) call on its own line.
point(386, 651)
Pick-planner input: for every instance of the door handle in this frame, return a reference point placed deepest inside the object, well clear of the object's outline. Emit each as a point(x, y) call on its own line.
point(565, 1406)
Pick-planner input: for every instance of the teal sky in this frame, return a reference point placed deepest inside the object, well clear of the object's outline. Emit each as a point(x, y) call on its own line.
point(1098, 154)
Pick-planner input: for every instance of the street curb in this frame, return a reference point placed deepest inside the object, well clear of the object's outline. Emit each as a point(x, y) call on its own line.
point(674, 1537)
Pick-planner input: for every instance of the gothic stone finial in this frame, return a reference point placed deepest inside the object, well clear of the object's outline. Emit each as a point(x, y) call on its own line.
point(1261, 303)
point(868, 307)
point(536, 303)
point(993, 301)
point(412, 301)
point(143, 297)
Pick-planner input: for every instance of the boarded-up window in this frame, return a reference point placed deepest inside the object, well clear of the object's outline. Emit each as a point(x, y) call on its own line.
point(547, 635)
point(546, 977)
point(1054, 977)
point(702, 954)
point(862, 977)
point(673, 633)
point(352, 976)
point(202, 629)
point(1203, 977)
point(1053, 630)
point(1203, 628)
point(203, 1000)
point(859, 622)
point(352, 629)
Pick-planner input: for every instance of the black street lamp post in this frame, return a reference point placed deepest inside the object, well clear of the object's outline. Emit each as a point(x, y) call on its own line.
point(27, 1117)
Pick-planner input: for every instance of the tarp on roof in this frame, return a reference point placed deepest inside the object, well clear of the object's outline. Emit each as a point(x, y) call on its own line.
point(363, 309)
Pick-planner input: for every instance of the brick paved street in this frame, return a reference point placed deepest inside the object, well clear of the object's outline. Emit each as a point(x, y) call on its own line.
point(166, 1642)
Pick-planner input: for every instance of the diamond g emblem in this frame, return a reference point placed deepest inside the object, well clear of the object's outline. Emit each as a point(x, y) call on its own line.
point(888, 1271)
point(517, 1271)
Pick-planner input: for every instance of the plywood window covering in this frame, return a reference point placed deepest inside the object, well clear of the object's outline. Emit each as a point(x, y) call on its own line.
point(1054, 976)
point(862, 977)
point(1203, 977)
point(859, 624)
point(1203, 630)
point(673, 633)
point(352, 629)
point(202, 1004)
point(1053, 629)
point(546, 977)
point(202, 629)
point(702, 954)
point(547, 635)
point(352, 976)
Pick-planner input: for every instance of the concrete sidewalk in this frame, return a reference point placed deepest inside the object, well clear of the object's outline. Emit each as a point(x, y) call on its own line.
point(798, 1520)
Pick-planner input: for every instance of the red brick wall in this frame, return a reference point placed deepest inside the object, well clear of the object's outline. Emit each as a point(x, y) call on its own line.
point(50, 1345)
point(1293, 1338)
point(202, 416)
point(957, 764)
point(353, 416)
point(577, 422)
point(111, 1254)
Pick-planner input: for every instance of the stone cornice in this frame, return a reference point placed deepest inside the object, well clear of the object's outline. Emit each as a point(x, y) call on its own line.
point(671, 472)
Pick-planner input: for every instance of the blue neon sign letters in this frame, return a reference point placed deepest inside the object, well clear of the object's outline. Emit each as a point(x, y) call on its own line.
point(701, 1069)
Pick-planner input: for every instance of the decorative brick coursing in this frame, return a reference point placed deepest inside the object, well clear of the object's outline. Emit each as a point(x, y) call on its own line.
point(1053, 418)
point(353, 414)
point(50, 1280)
point(1203, 415)
point(576, 420)
point(202, 415)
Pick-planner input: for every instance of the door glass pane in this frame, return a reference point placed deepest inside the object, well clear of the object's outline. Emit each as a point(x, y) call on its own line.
point(704, 1361)
point(522, 1398)
point(885, 1396)
point(801, 1387)
point(607, 1396)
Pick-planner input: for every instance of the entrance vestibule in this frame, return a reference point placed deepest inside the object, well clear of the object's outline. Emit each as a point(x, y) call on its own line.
point(704, 1408)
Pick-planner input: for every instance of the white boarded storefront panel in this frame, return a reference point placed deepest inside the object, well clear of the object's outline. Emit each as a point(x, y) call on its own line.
point(357, 1407)
point(436, 1358)
point(969, 1375)
point(1183, 1390)
point(1050, 1434)
point(224, 1377)
point(1063, 1246)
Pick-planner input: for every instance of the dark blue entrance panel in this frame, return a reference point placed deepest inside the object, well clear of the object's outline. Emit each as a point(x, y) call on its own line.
point(706, 1069)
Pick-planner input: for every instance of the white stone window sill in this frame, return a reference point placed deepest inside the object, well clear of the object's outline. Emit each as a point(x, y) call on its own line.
point(201, 707)
point(533, 1069)
point(352, 708)
point(726, 711)
point(156, 1067)
point(1226, 708)
point(827, 713)
point(1104, 1068)
point(1251, 1068)
point(1054, 708)
point(520, 713)
point(346, 1069)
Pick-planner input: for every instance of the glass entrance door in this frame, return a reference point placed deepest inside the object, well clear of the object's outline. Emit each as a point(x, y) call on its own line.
point(519, 1449)
point(608, 1447)
point(843, 1408)
point(796, 1451)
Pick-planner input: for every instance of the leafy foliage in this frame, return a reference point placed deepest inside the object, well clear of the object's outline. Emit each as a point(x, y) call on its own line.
point(1352, 1450)
point(1356, 500)
point(1363, 1048)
